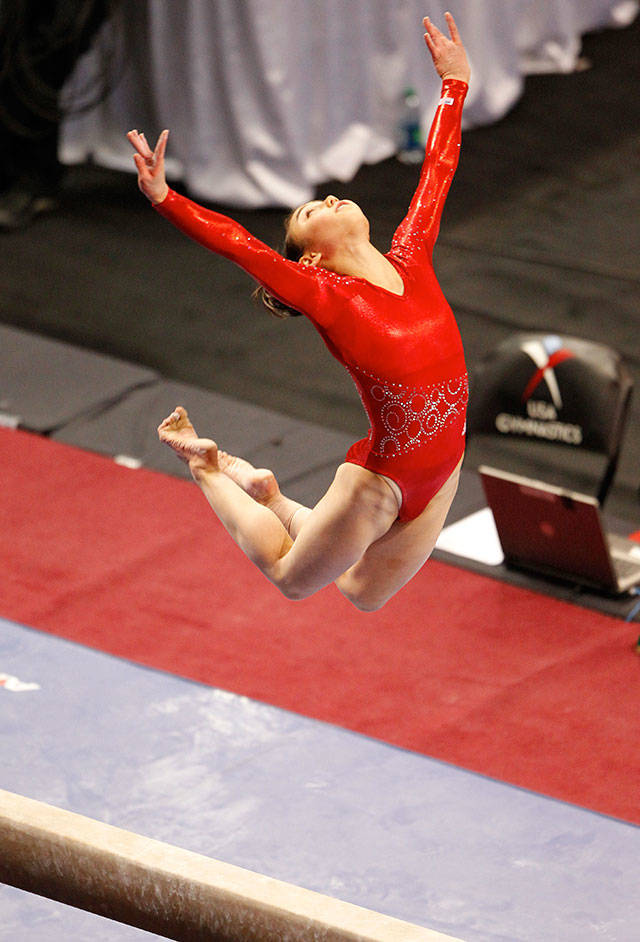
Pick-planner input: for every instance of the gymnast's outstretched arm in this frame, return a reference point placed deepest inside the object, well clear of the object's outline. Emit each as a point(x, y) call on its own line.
point(419, 229)
point(292, 283)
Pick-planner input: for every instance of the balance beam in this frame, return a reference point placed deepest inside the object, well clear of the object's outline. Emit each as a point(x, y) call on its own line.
point(170, 891)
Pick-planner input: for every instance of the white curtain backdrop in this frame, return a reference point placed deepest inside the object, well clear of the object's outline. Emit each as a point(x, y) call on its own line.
point(267, 98)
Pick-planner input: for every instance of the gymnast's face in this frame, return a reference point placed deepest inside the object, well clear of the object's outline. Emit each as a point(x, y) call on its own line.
point(325, 227)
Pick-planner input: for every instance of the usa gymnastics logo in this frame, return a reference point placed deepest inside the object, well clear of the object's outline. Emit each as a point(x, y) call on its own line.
point(14, 685)
point(546, 354)
point(542, 419)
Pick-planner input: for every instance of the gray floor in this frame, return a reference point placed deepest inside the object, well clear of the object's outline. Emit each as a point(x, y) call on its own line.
point(301, 801)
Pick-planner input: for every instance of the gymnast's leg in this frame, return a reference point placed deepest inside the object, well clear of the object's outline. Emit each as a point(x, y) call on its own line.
point(262, 485)
point(258, 483)
point(358, 509)
point(390, 562)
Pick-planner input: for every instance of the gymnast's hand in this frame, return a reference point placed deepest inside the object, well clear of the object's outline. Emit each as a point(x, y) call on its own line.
point(449, 56)
point(150, 165)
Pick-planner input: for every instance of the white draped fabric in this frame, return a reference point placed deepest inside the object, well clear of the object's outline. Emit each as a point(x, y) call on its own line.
point(267, 98)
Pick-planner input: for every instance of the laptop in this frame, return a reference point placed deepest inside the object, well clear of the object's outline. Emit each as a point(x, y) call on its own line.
point(558, 533)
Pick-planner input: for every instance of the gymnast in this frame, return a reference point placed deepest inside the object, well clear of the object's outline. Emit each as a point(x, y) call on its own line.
point(384, 317)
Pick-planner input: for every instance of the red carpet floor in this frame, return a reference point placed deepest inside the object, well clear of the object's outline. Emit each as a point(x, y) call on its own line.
point(490, 677)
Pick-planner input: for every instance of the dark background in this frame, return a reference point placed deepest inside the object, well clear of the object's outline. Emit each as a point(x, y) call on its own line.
point(540, 232)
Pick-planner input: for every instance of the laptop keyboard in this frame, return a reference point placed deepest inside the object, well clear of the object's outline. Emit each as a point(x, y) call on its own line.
point(625, 566)
point(625, 556)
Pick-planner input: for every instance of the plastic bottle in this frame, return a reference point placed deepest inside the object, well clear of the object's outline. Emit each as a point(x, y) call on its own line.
point(411, 147)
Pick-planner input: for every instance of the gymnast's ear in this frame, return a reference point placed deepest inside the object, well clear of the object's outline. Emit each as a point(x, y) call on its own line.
point(311, 259)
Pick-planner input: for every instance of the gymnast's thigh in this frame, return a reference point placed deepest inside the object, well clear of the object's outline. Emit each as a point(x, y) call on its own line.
point(357, 510)
point(395, 557)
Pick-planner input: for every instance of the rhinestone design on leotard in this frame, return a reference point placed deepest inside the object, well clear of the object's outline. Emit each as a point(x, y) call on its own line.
point(408, 417)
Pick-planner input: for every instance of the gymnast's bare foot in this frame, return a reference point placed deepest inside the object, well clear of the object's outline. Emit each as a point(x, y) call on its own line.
point(258, 483)
point(201, 454)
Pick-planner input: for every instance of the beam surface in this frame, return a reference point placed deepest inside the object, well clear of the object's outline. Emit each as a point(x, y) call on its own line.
point(169, 891)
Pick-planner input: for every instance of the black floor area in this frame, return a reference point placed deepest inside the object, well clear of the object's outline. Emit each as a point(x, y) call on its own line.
point(541, 232)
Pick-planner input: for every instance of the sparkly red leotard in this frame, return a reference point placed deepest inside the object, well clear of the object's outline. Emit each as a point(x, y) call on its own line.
point(404, 352)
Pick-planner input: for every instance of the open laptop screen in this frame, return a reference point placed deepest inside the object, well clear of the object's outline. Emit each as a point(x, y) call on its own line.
point(549, 529)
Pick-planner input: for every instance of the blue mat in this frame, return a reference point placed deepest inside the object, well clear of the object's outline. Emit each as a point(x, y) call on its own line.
point(300, 801)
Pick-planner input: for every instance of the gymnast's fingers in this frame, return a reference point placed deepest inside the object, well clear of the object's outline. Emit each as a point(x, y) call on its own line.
point(137, 141)
point(141, 167)
point(453, 29)
point(161, 146)
point(432, 30)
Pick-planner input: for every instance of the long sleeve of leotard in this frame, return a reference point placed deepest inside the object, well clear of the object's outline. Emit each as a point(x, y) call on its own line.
point(290, 282)
point(419, 229)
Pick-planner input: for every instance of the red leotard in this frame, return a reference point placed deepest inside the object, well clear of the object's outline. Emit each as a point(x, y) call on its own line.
point(403, 352)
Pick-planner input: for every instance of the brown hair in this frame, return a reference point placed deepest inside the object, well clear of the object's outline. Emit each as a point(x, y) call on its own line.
point(293, 252)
